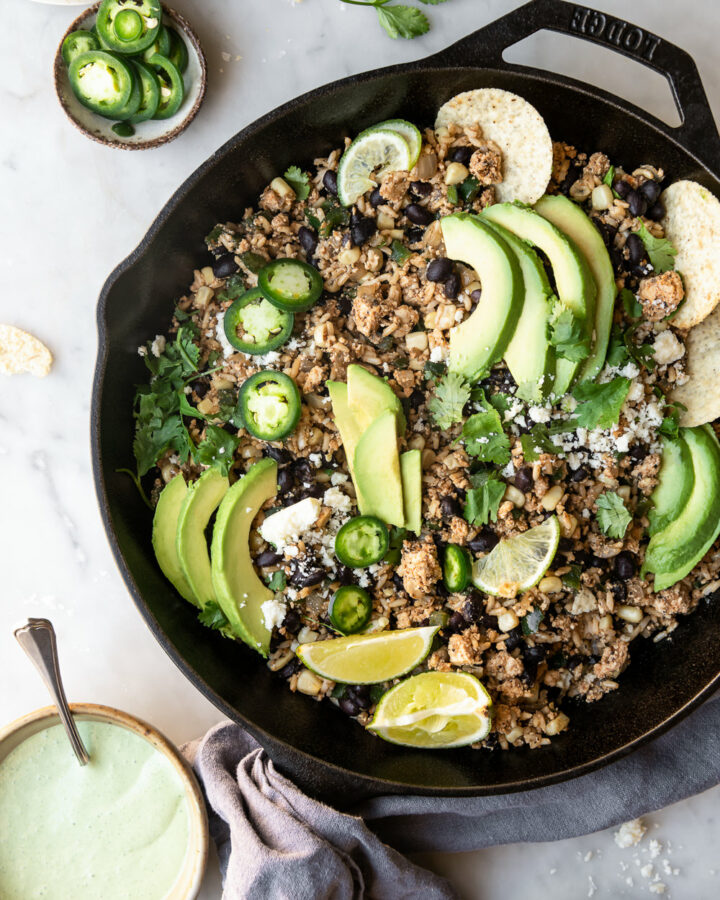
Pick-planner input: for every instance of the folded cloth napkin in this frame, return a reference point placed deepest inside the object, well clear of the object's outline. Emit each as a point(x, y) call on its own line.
point(276, 842)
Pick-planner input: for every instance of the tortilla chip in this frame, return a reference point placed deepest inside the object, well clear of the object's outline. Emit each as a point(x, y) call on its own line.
point(21, 352)
point(700, 394)
point(692, 225)
point(517, 128)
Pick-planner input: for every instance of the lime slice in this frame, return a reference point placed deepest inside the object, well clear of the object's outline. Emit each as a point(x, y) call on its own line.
point(368, 658)
point(434, 710)
point(518, 562)
point(407, 130)
point(377, 152)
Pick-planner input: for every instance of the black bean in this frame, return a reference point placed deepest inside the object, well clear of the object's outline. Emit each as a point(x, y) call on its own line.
point(597, 562)
point(308, 239)
point(398, 582)
point(344, 574)
point(302, 469)
point(656, 211)
point(650, 191)
point(619, 591)
point(456, 623)
point(636, 203)
point(376, 198)
point(566, 545)
point(418, 215)
point(268, 558)
point(285, 481)
point(349, 706)
point(417, 398)
point(279, 454)
point(574, 172)
point(638, 452)
point(621, 188)
point(617, 260)
point(624, 565)
point(475, 297)
point(225, 265)
point(421, 188)
point(439, 269)
point(330, 182)
point(345, 303)
point(362, 228)
point(441, 590)
point(314, 490)
point(360, 693)
point(305, 574)
point(290, 669)
point(514, 638)
point(636, 248)
point(532, 657)
point(607, 232)
point(201, 387)
point(483, 542)
point(580, 474)
point(450, 507)
point(292, 621)
point(524, 479)
point(474, 608)
point(461, 155)
point(452, 286)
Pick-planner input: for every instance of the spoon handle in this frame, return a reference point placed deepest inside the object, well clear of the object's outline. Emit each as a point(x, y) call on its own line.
point(37, 638)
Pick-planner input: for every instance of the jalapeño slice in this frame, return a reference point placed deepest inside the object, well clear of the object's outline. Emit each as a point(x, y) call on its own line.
point(172, 88)
point(161, 44)
point(456, 569)
point(255, 326)
point(362, 541)
point(102, 81)
point(269, 403)
point(350, 609)
point(177, 53)
point(131, 108)
point(150, 90)
point(128, 27)
point(290, 284)
point(78, 42)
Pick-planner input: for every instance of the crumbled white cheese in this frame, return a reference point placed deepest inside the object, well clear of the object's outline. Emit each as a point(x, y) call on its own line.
point(316, 459)
point(667, 348)
point(157, 348)
point(630, 833)
point(336, 499)
point(273, 612)
point(539, 413)
point(657, 888)
point(286, 525)
point(221, 337)
point(338, 478)
point(438, 354)
point(267, 359)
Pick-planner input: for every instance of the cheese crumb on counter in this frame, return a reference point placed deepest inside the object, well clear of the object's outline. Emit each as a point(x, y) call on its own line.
point(630, 833)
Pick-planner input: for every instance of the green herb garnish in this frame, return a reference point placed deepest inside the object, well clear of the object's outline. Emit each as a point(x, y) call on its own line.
point(399, 252)
point(298, 181)
point(660, 251)
point(447, 404)
point(216, 449)
point(484, 437)
point(277, 581)
point(612, 515)
point(483, 499)
point(399, 20)
point(600, 404)
point(537, 442)
point(568, 336)
point(212, 616)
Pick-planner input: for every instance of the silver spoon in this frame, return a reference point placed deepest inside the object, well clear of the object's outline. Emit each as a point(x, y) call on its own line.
point(37, 638)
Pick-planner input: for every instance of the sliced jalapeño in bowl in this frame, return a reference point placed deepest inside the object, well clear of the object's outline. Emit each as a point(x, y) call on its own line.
point(269, 403)
point(253, 325)
point(172, 87)
point(362, 541)
point(350, 609)
point(128, 27)
point(102, 81)
point(78, 42)
point(290, 284)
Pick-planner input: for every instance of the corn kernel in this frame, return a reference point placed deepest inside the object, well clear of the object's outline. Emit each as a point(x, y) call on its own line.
point(455, 173)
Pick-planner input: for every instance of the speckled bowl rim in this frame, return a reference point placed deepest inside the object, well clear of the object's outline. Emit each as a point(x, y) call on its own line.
point(188, 32)
point(197, 855)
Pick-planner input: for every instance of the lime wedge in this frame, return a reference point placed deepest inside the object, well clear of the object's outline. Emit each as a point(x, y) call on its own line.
point(368, 658)
point(434, 710)
point(519, 562)
point(377, 152)
point(407, 130)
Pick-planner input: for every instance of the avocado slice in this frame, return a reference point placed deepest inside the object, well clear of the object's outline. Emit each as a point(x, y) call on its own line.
point(377, 471)
point(368, 396)
point(482, 338)
point(575, 283)
point(674, 551)
point(239, 591)
point(348, 426)
point(164, 534)
point(675, 483)
point(529, 355)
point(200, 502)
point(573, 221)
point(411, 472)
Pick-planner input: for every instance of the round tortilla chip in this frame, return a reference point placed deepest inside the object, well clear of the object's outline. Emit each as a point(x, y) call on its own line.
point(692, 225)
point(517, 128)
point(700, 393)
point(22, 352)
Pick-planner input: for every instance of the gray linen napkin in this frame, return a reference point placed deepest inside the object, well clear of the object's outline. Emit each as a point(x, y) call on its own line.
point(275, 842)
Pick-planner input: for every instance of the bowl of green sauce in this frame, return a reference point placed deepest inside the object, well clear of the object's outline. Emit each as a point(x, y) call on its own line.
point(131, 823)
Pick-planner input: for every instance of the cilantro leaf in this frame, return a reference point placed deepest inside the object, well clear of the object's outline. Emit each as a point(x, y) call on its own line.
point(642, 354)
point(485, 439)
point(568, 337)
point(630, 304)
point(609, 176)
point(399, 253)
point(212, 616)
point(451, 395)
point(600, 404)
point(402, 21)
point(335, 216)
point(670, 424)
point(660, 251)
point(277, 581)
point(433, 370)
point(217, 449)
point(537, 442)
point(617, 354)
point(234, 286)
point(397, 536)
point(612, 515)
point(433, 2)
point(483, 499)
point(298, 181)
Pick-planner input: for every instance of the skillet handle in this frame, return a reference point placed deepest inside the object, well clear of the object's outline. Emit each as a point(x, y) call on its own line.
point(697, 131)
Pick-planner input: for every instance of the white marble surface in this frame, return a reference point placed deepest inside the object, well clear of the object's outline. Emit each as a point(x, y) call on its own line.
point(70, 211)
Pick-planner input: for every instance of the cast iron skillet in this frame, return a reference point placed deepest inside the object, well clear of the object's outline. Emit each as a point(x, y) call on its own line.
point(330, 755)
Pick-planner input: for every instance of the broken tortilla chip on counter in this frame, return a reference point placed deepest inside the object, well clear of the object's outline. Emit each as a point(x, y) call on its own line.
point(21, 352)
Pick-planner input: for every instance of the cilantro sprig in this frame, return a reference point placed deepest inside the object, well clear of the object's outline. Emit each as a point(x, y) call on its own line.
point(212, 616)
point(398, 20)
point(599, 405)
point(660, 251)
point(451, 395)
point(484, 436)
point(537, 441)
point(568, 336)
point(483, 499)
point(612, 515)
point(298, 181)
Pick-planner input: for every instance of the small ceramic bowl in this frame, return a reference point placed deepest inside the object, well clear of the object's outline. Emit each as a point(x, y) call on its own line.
point(148, 134)
point(190, 879)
